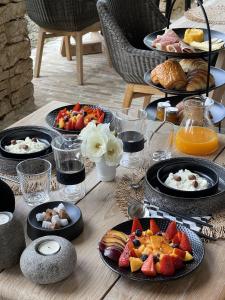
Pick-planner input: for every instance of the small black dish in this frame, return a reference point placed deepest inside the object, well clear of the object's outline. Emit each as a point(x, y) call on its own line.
point(201, 170)
point(21, 135)
point(7, 202)
point(69, 232)
point(51, 117)
point(133, 141)
point(196, 244)
point(148, 40)
point(218, 74)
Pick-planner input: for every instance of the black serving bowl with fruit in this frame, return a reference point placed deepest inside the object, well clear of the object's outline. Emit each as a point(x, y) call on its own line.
point(204, 172)
point(7, 202)
point(70, 231)
point(34, 134)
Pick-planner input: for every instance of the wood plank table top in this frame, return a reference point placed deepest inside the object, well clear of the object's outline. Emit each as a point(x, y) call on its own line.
point(91, 279)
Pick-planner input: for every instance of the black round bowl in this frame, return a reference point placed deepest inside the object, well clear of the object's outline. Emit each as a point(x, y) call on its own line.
point(7, 202)
point(201, 170)
point(69, 232)
point(21, 135)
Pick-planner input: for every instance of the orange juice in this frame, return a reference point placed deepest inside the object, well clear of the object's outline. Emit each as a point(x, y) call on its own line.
point(196, 140)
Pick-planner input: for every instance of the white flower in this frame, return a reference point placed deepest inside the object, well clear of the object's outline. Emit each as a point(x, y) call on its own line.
point(91, 127)
point(114, 151)
point(95, 146)
point(104, 128)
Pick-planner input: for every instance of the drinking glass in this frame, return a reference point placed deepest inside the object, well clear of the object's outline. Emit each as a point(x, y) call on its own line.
point(70, 170)
point(35, 178)
point(129, 126)
point(160, 142)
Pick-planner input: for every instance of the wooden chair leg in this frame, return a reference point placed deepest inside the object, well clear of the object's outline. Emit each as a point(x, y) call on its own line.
point(67, 47)
point(128, 97)
point(79, 57)
point(39, 52)
point(147, 100)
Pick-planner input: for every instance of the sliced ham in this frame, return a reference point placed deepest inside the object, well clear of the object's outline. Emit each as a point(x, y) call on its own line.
point(169, 37)
point(186, 48)
point(174, 48)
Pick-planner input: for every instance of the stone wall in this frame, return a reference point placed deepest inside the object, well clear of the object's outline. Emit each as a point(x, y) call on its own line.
point(16, 89)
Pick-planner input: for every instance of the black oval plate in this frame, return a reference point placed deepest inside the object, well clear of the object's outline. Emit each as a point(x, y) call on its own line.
point(217, 110)
point(51, 117)
point(218, 74)
point(148, 40)
point(196, 243)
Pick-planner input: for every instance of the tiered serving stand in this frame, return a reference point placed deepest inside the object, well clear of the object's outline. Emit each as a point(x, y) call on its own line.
point(219, 74)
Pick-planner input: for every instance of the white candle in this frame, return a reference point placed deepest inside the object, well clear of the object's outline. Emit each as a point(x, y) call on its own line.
point(49, 247)
point(4, 218)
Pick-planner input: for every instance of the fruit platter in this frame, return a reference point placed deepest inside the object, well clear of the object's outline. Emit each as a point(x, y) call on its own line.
point(151, 249)
point(73, 118)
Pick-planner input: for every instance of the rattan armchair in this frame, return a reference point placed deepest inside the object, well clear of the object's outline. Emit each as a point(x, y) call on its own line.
point(63, 18)
point(125, 24)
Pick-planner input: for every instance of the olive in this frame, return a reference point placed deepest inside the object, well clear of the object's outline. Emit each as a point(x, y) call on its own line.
point(138, 232)
point(136, 243)
point(144, 257)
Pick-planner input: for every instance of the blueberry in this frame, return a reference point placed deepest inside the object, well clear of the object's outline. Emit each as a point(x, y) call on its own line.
point(159, 233)
point(136, 243)
point(155, 258)
point(144, 257)
point(175, 245)
point(138, 232)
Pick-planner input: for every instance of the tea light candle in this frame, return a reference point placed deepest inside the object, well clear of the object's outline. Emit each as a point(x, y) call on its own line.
point(49, 247)
point(5, 217)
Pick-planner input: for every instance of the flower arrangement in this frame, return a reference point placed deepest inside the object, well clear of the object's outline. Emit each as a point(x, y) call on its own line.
point(99, 143)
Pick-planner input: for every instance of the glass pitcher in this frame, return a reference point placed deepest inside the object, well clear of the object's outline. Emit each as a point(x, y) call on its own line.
point(196, 134)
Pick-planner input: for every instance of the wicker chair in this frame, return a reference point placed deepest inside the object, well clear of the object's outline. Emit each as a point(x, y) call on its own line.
point(63, 18)
point(125, 24)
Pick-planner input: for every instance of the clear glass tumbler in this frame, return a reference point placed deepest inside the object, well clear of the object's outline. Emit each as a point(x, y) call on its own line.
point(130, 127)
point(70, 170)
point(35, 179)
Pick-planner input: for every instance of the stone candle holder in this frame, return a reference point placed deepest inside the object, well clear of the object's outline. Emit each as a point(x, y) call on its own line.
point(48, 259)
point(12, 241)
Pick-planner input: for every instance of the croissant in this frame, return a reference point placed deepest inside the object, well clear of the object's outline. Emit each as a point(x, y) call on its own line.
point(197, 80)
point(170, 75)
point(193, 64)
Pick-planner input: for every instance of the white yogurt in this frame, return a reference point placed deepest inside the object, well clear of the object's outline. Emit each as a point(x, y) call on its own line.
point(31, 146)
point(186, 184)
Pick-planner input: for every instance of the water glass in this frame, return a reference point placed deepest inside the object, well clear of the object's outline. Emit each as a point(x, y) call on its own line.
point(35, 179)
point(160, 142)
point(70, 170)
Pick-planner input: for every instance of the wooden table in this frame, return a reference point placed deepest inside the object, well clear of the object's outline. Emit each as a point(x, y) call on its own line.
point(91, 278)
point(183, 22)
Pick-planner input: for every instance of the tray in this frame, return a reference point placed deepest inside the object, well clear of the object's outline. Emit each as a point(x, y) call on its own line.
point(8, 165)
point(196, 243)
point(180, 32)
point(219, 76)
point(217, 110)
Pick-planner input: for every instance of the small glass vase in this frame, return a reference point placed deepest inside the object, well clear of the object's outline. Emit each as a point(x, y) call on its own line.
point(105, 172)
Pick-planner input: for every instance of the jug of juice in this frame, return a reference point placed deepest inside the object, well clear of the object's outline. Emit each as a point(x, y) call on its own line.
point(196, 134)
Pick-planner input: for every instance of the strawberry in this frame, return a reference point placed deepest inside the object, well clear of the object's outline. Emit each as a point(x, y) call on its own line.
point(77, 107)
point(136, 225)
point(80, 123)
point(148, 267)
point(101, 118)
point(177, 237)
point(154, 227)
point(178, 252)
point(185, 243)
point(177, 262)
point(171, 230)
point(167, 266)
point(131, 247)
point(124, 257)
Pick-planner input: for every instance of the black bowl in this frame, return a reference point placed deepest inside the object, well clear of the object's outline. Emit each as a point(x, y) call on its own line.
point(21, 135)
point(7, 202)
point(201, 170)
point(70, 232)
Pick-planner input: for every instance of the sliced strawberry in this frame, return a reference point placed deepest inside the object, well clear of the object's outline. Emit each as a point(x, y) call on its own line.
point(148, 267)
point(171, 230)
point(80, 123)
point(124, 257)
point(77, 107)
point(177, 262)
point(178, 252)
point(101, 118)
point(166, 265)
point(131, 248)
point(154, 227)
point(67, 127)
point(185, 243)
point(177, 237)
point(136, 225)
